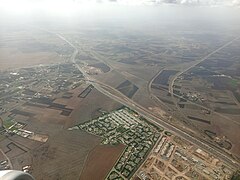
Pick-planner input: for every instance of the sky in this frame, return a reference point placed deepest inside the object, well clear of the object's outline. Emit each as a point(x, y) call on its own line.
point(179, 2)
point(69, 7)
point(156, 15)
point(34, 3)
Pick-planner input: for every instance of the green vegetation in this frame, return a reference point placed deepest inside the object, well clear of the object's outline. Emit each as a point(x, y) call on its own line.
point(121, 129)
point(236, 175)
point(8, 123)
point(234, 83)
point(168, 133)
point(123, 126)
point(160, 129)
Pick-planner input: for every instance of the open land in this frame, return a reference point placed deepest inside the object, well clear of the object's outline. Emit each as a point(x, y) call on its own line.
point(100, 161)
point(62, 97)
point(36, 113)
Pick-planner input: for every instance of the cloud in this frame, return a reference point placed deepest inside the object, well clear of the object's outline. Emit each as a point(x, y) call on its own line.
point(72, 6)
point(138, 2)
point(177, 2)
point(236, 2)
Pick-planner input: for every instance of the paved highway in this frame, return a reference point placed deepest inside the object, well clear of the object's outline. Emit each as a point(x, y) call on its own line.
point(117, 96)
point(171, 83)
point(198, 62)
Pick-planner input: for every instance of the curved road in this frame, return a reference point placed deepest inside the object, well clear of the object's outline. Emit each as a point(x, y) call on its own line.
point(117, 96)
point(198, 62)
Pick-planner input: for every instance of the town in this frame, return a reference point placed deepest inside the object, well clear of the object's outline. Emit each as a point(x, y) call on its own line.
point(163, 154)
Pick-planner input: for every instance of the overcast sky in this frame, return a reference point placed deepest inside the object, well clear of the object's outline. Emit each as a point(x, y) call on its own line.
point(136, 2)
point(181, 2)
point(72, 6)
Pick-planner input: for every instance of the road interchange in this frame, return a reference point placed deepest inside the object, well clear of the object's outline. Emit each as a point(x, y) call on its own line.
point(119, 97)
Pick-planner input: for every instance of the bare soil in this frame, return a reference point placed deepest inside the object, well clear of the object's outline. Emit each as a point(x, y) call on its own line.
point(100, 161)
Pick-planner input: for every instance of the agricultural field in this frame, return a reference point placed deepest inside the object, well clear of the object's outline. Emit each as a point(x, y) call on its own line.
point(103, 67)
point(87, 98)
point(23, 48)
point(207, 97)
point(37, 105)
point(163, 77)
point(126, 127)
point(100, 161)
point(127, 88)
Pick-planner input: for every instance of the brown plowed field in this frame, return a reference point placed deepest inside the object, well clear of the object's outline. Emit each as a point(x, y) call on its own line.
point(100, 161)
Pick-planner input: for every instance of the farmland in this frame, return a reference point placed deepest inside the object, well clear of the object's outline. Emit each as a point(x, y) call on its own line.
point(102, 164)
point(29, 51)
point(126, 127)
point(118, 99)
point(35, 114)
